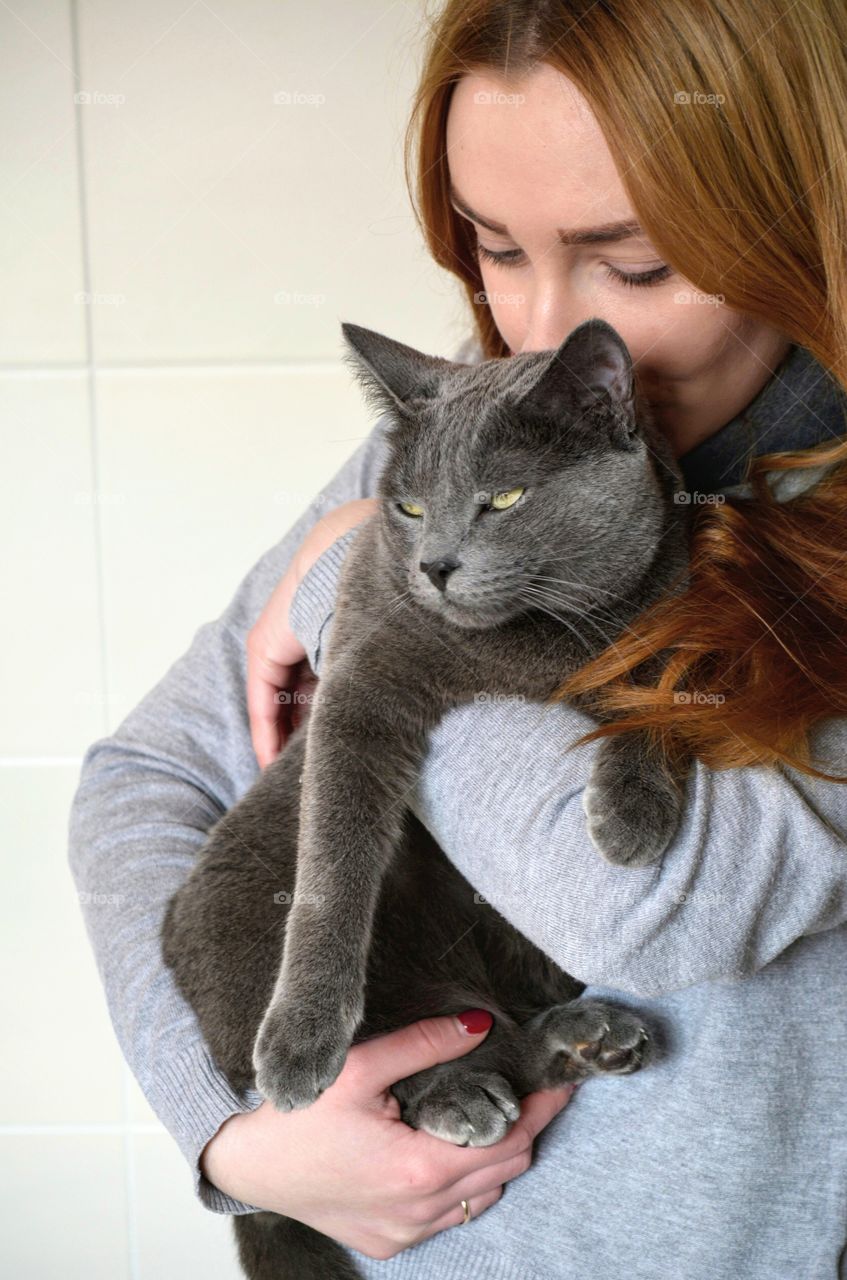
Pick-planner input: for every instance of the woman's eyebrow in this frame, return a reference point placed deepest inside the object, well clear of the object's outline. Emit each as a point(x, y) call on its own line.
point(604, 234)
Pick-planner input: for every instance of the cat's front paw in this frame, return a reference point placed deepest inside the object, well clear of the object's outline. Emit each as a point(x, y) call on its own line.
point(587, 1038)
point(633, 808)
point(293, 1062)
point(469, 1108)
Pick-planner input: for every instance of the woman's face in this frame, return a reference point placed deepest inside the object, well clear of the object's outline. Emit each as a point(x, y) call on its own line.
point(537, 164)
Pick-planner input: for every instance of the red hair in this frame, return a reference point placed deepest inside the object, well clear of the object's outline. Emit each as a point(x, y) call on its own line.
point(747, 200)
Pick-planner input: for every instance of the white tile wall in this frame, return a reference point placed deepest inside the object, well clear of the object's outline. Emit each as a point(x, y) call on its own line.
point(192, 197)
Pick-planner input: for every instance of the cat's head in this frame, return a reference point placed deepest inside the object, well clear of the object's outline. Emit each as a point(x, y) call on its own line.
point(533, 482)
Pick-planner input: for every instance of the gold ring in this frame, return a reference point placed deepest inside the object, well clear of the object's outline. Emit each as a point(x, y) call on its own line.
point(466, 1210)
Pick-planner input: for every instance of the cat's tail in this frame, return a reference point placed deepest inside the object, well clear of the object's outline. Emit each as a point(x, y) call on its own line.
point(271, 1247)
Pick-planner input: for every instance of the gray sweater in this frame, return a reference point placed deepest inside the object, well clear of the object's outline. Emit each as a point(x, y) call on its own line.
point(729, 1157)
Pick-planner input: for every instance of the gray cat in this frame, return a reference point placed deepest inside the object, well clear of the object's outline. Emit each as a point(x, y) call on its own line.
point(528, 514)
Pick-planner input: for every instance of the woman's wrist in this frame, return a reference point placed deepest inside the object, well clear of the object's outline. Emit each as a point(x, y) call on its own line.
point(220, 1159)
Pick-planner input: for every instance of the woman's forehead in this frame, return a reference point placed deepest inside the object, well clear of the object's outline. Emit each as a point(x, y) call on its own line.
point(531, 145)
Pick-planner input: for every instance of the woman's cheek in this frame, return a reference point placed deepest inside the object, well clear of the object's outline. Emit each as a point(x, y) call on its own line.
point(680, 338)
point(510, 315)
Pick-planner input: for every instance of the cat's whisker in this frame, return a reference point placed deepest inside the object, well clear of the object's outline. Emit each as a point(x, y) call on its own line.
point(619, 626)
point(544, 609)
point(547, 601)
point(399, 600)
point(583, 607)
point(567, 582)
point(540, 603)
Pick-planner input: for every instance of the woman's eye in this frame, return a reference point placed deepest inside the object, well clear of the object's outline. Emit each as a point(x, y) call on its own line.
point(500, 501)
point(505, 258)
point(629, 279)
point(636, 278)
point(411, 508)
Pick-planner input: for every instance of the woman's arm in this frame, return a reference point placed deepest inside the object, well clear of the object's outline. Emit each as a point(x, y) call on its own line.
point(759, 861)
point(147, 797)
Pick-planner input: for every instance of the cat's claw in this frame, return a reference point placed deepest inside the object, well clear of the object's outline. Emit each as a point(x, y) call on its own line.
point(294, 1066)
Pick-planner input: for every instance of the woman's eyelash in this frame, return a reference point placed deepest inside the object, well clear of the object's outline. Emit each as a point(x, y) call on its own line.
point(506, 258)
point(510, 258)
point(656, 276)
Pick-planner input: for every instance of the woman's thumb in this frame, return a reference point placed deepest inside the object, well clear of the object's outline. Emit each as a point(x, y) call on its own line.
point(389, 1058)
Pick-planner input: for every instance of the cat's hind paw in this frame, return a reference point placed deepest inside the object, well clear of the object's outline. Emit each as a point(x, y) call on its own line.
point(588, 1038)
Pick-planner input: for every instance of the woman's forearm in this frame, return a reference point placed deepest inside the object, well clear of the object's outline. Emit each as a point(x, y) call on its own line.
point(760, 858)
point(147, 796)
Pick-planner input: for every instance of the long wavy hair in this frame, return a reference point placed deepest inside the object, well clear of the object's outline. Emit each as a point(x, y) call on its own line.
point(747, 200)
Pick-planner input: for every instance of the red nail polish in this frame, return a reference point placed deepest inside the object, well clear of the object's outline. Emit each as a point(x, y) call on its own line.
point(475, 1021)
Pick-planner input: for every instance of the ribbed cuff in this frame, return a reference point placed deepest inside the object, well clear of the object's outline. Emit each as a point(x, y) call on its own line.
point(193, 1099)
point(313, 604)
point(453, 1254)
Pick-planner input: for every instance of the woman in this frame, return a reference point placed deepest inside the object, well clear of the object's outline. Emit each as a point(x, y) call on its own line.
point(728, 1157)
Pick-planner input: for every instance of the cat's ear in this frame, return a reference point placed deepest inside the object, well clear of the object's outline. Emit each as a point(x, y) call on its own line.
point(391, 374)
point(592, 362)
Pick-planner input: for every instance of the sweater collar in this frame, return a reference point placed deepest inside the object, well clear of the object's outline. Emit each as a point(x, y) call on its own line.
point(800, 405)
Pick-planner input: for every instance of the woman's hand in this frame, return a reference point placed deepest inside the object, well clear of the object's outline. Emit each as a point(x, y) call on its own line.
point(273, 650)
point(349, 1166)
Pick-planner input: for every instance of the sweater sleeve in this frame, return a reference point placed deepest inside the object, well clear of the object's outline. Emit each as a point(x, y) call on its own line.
point(146, 799)
point(759, 860)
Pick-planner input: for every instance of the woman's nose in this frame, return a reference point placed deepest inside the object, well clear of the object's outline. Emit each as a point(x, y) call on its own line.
point(549, 331)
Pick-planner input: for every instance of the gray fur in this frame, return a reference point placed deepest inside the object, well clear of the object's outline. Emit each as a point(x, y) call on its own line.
point(348, 920)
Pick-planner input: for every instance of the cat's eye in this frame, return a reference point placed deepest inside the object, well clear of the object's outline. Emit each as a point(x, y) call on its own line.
point(411, 508)
point(500, 501)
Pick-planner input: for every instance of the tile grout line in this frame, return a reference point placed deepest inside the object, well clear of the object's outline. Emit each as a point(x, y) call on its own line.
point(85, 260)
point(48, 762)
point(91, 1130)
point(129, 1183)
point(64, 369)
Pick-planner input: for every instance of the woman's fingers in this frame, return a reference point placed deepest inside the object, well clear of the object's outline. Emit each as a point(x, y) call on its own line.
point(537, 1110)
point(484, 1186)
point(454, 1216)
point(265, 678)
point(449, 1164)
point(374, 1065)
point(273, 654)
point(272, 648)
point(480, 1183)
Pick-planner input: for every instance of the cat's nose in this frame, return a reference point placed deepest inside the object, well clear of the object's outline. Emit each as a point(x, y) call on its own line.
point(438, 571)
